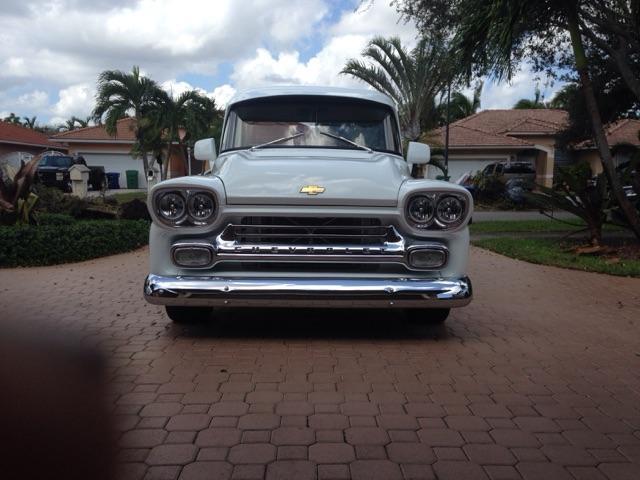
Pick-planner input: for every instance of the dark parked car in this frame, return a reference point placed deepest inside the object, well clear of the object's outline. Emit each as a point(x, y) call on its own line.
point(53, 171)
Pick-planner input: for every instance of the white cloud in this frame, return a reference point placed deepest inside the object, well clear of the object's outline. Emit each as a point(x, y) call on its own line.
point(379, 18)
point(75, 100)
point(176, 88)
point(505, 95)
point(347, 38)
point(35, 100)
point(223, 94)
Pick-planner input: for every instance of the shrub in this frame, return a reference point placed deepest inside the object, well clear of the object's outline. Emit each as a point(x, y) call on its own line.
point(135, 210)
point(49, 244)
point(53, 200)
point(54, 219)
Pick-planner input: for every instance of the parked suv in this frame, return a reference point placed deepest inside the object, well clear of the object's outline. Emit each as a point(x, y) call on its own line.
point(53, 171)
point(507, 171)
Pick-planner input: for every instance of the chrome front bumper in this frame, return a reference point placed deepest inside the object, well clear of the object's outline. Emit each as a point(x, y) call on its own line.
point(306, 292)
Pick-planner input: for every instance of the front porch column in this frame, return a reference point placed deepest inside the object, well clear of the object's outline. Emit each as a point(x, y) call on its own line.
point(544, 167)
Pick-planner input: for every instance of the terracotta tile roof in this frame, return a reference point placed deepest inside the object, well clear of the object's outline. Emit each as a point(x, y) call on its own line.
point(461, 136)
point(19, 135)
point(500, 128)
point(504, 121)
point(125, 132)
point(622, 132)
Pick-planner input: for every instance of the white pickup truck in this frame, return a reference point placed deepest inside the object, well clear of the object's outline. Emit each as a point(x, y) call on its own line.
point(309, 203)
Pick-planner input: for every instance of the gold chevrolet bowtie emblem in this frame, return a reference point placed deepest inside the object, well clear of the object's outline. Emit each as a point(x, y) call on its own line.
point(312, 189)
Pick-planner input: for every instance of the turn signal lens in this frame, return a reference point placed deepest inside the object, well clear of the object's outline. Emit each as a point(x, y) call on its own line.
point(192, 257)
point(427, 258)
point(172, 206)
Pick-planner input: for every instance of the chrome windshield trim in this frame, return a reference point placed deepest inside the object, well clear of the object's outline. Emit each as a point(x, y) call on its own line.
point(328, 292)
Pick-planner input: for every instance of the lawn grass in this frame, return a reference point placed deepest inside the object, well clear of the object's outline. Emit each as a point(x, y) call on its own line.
point(128, 196)
point(517, 226)
point(552, 252)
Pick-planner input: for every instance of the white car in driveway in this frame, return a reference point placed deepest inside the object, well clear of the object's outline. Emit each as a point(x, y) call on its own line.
point(309, 203)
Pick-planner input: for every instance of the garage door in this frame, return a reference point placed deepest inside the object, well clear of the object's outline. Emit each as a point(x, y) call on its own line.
point(116, 162)
point(460, 166)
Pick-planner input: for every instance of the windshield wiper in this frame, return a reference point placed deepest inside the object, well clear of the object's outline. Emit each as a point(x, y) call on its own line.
point(277, 140)
point(350, 142)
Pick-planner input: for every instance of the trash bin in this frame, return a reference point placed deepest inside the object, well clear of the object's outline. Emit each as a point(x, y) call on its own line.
point(113, 180)
point(132, 178)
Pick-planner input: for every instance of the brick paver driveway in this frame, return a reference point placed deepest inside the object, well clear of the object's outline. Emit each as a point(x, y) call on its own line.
point(537, 379)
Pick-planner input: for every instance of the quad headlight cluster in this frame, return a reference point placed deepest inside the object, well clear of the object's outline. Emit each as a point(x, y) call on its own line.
point(436, 210)
point(186, 207)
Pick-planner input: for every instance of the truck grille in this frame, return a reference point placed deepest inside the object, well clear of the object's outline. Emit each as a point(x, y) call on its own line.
point(309, 231)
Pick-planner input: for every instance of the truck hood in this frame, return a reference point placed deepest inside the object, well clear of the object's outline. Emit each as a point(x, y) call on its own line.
point(276, 176)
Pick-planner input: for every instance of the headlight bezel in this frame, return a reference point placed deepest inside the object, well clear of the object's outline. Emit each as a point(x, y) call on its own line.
point(435, 223)
point(188, 219)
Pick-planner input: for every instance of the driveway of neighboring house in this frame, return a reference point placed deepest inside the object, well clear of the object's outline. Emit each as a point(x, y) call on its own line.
point(539, 379)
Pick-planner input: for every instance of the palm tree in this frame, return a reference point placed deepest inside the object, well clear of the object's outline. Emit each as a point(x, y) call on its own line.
point(73, 123)
point(190, 112)
point(460, 106)
point(30, 122)
point(527, 103)
point(13, 118)
point(565, 97)
point(413, 79)
point(492, 36)
point(121, 94)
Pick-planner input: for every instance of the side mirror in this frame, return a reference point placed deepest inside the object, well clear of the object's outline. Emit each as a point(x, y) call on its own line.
point(205, 150)
point(418, 153)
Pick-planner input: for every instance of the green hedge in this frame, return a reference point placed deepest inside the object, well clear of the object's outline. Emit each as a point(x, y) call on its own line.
point(60, 242)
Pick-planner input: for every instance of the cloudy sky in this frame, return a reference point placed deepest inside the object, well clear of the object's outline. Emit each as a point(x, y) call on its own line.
point(51, 51)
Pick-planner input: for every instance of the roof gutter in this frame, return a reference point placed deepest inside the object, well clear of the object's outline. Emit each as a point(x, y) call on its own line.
point(74, 140)
point(40, 145)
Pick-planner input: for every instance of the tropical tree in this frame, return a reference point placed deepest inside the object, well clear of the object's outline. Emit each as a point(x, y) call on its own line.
point(526, 103)
point(413, 79)
point(74, 123)
point(12, 118)
point(189, 113)
point(460, 105)
point(121, 94)
point(30, 122)
point(494, 36)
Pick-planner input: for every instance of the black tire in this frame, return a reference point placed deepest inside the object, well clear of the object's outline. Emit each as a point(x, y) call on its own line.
point(188, 314)
point(428, 316)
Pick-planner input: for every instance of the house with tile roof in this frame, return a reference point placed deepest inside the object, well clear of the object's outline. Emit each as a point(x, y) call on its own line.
point(16, 139)
point(623, 137)
point(490, 136)
point(113, 152)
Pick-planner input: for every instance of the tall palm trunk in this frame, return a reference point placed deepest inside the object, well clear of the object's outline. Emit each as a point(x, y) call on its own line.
point(629, 211)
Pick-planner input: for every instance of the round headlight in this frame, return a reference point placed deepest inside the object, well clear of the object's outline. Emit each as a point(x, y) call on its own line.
point(421, 209)
point(172, 206)
point(450, 210)
point(201, 207)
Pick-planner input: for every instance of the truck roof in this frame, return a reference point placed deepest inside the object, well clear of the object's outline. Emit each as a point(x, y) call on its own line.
point(283, 90)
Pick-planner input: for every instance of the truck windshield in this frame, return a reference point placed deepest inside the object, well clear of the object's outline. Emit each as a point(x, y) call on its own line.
point(311, 122)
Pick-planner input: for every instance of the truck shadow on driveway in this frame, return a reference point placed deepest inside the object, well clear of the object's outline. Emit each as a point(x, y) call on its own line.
point(334, 324)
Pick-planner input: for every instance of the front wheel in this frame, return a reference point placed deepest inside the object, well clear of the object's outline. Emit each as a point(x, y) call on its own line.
point(188, 314)
point(428, 316)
